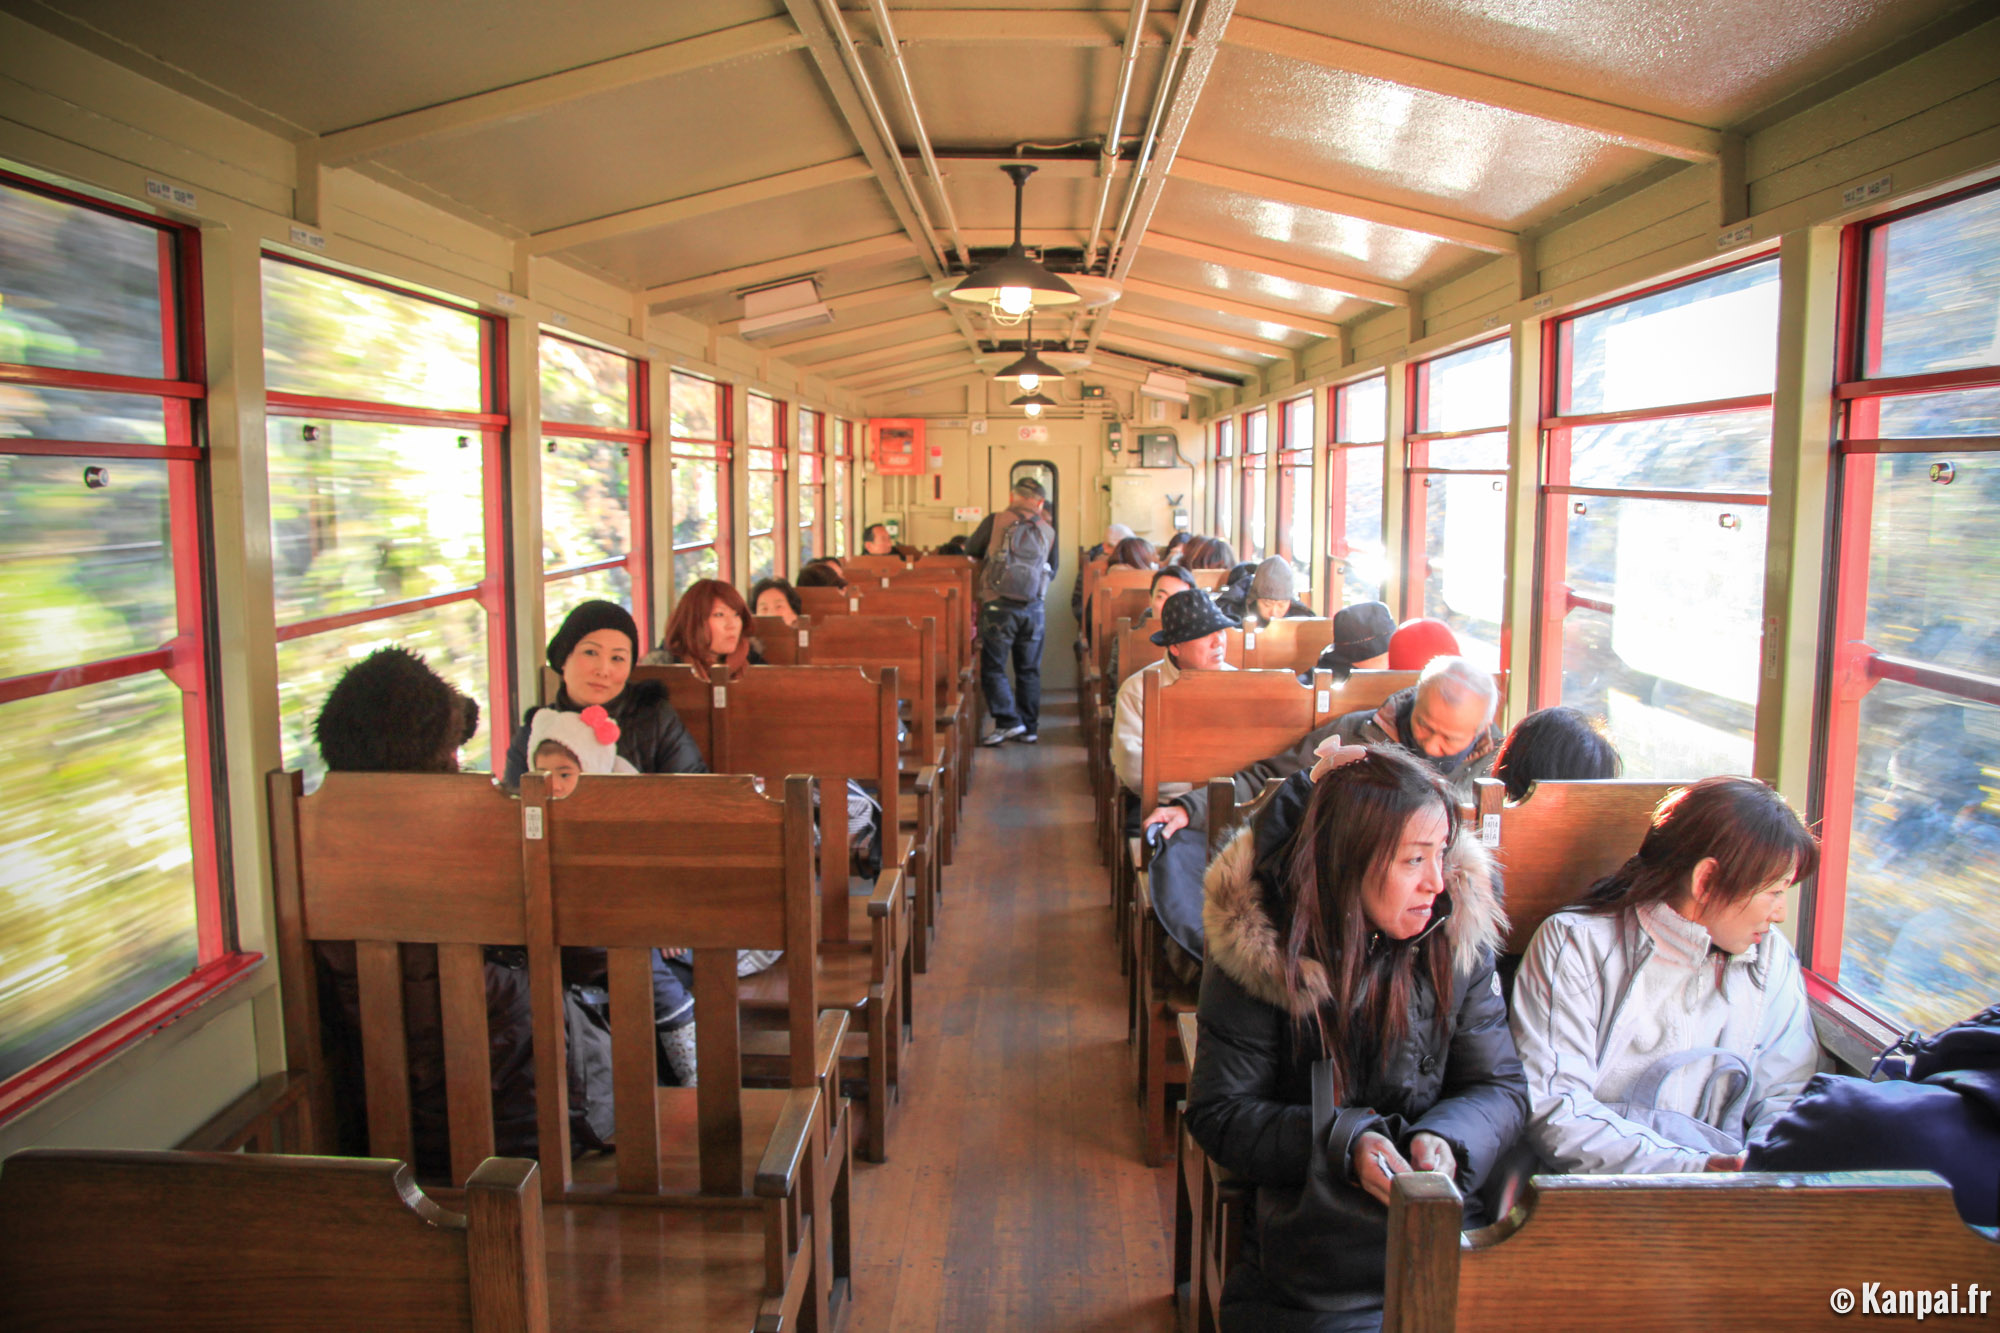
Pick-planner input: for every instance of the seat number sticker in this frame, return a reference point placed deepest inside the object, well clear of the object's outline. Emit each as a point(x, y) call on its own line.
point(1489, 831)
point(531, 823)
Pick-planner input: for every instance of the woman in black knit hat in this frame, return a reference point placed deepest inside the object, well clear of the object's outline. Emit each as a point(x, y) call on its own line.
point(594, 651)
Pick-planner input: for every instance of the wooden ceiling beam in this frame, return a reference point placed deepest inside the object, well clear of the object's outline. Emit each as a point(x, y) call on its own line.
point(955, 361)
point(1013, 27)
point(1220, 340)
point(1209, 299)
point(1635, 129)
point(691, 206)
point(877, 358)
point(1179, 356)
point(693, 291)
point(745, 41)
point(1458, 231)
point(849, 333)
point(1325, 279)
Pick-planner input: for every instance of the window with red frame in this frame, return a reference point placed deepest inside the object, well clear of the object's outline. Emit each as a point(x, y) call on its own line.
point(1656, 482)
point(766, 460)
point(387, 459)
point(1222, 494)
point(812, 485)
point(1357, 556)
point(595, 455)
point(699, 448)
point(841, 468)
point(1905, 907)
point(114, 919)
point(1295, 487)
point(1455, 461)
point(1256, 460)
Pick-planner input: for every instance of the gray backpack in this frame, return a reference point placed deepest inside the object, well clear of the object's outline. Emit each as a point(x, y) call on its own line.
point(1642, 1103)
point(1017, 568)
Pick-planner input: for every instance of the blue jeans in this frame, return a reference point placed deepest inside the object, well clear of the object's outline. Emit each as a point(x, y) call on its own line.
point(1008, 630)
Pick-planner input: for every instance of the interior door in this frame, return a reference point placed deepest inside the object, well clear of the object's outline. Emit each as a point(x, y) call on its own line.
point(1057, 468)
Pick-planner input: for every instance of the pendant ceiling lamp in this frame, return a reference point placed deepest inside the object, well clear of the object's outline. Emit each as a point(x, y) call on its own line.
point(1030, 370)
point(1013, 285)
point(1033, 403)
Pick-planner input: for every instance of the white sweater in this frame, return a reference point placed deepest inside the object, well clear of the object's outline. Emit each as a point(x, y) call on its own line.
point(1599, 998)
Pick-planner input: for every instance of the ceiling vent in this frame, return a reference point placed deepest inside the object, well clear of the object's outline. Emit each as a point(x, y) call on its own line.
point(785, 308)
point(1160, 384)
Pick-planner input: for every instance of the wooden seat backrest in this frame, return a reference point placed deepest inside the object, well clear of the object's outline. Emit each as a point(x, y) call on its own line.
point(1286, 644)
point(874, 642)
point(820, 603)
point(1136, 649)
point(1091, 571)
point(960, 577)
point(633, 865)
point(229, 1241)
point(1368, 689)
point(691, 697)
point(1208, 724)
point(1658, 1252)
point(873, 565)
point(1110, 606)
point(1561, 838)
point(383, 860)
point(780, 641)
point(827, 722)
point(941, 605)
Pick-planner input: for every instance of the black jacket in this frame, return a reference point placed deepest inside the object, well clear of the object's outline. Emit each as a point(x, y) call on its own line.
point(1390, 725)
point(1320, 1244)
point(650, 734)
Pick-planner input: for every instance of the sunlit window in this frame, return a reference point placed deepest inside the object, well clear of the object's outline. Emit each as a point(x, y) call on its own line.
point(764, 437)
point(1455, 456)
point(386, 470)
point(1256, 460)
point(840, 473)
point(1295, 488)
point(812, 485)
point(1357, 558)
point(594, 467)
point(1222, 493)
point(1656, 479)
point(110, 898)
point(1904, 912)
point(699, 417)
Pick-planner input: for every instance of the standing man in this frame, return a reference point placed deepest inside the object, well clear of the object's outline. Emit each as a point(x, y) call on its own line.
point(1016, 549)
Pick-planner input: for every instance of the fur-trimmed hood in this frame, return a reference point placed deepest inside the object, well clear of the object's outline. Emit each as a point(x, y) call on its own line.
point(1243, 940)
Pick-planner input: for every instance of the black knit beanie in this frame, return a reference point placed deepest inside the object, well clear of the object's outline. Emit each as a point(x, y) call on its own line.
point(586, 619)
point(390, 713)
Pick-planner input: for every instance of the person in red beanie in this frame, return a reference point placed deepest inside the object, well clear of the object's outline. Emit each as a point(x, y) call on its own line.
point(1416, 642)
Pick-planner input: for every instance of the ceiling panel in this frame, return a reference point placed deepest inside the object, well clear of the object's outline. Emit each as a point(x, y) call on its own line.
point(995, 97)
point(747, 235)
point(1255, 288)
point(1341, 131)
point(1303, 235)
point(329, 64)
point(1193, 312)
point(1712, 62)
point(840, 282)
point(638, 145)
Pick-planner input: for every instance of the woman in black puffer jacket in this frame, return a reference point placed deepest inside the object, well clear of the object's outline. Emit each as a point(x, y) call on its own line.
point(1351, 1029)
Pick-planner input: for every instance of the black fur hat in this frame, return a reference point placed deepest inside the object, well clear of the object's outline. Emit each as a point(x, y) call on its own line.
point(390, 713)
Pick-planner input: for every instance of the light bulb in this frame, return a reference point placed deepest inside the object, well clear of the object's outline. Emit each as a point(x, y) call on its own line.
point(1032, 409)
point(1030, 383)
point(1016, 300)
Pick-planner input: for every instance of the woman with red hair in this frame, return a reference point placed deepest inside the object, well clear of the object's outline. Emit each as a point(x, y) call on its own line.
point(709, 631)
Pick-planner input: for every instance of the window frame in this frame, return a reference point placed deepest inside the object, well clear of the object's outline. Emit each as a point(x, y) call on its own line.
point(776, 457)
point(188, 660)
point(1555, 494)
point(1254, 470)
point(1222, 475)
point(491, 424)
point(1416, 464)
point(812, 481)
point(1339, 547)
point(840, 462)
point(1294, 454)
point(638, 442)
point(719, 453)
point(1848, 668)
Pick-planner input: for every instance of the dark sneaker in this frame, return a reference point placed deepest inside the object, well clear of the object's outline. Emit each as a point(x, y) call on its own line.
point(1027, 738)
point(1002, 734)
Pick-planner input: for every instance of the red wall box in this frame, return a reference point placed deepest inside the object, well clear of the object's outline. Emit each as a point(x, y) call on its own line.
point(899, 445)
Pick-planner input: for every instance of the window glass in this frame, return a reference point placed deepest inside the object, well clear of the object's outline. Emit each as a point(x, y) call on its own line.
point(1299, 423)
point(1927, 415)
point(1466, 390)
point(1697, 342)
point(335, 337)
point(1363, 410)
point(29, 411)
point(99, 910)
point(696, 407)
point(585, 386)
point(585, 498)
point(1723, 451)
point(609, 585)
point(1364, 569)
point(1939, 278)
point(82, 289)
point(88, 569)
point(1298, 483)
point(1471, 451)
point(1465, 582)
point(810, 488)
point(1665, 651)
point(697, 483)
point(1934, 560)
point(763, 422)
point(364, 514)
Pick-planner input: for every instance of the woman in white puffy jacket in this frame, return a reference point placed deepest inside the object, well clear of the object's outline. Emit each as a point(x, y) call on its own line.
point(1668, 996)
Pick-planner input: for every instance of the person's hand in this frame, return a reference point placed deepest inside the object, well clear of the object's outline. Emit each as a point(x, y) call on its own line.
point(1725, 1162)
point(1428, 1152)
point(1171, 818)
point(1376, 1163)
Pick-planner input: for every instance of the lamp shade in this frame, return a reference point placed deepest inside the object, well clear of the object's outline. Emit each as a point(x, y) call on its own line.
point(1029, 364)
point(999, 283)
point(1033, 403)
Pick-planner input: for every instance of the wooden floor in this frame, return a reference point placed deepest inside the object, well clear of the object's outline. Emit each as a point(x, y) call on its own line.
point(1015, 1196)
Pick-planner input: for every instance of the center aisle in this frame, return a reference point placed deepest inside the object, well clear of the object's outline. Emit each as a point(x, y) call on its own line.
point(1015, 1196)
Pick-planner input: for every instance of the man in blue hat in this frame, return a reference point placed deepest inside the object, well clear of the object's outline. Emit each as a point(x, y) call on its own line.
point(1195, 633)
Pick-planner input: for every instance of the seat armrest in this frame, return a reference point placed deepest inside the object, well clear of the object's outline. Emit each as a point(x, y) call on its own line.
point(888, 892)
point(778, 1172)
point(827, 1039)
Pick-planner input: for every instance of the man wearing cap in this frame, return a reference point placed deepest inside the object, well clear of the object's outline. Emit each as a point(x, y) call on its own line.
point(1360, 640)
point(1167, 580)
point(1195, 633)
point(1272, 594)
point(1015, 567)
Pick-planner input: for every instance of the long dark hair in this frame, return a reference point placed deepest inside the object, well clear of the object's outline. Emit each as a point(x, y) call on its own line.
point(687, 630)
point(1746, 826)
point(1133, 553)
point(1214, 554)
point(1561, 744)
point(1351, 829)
